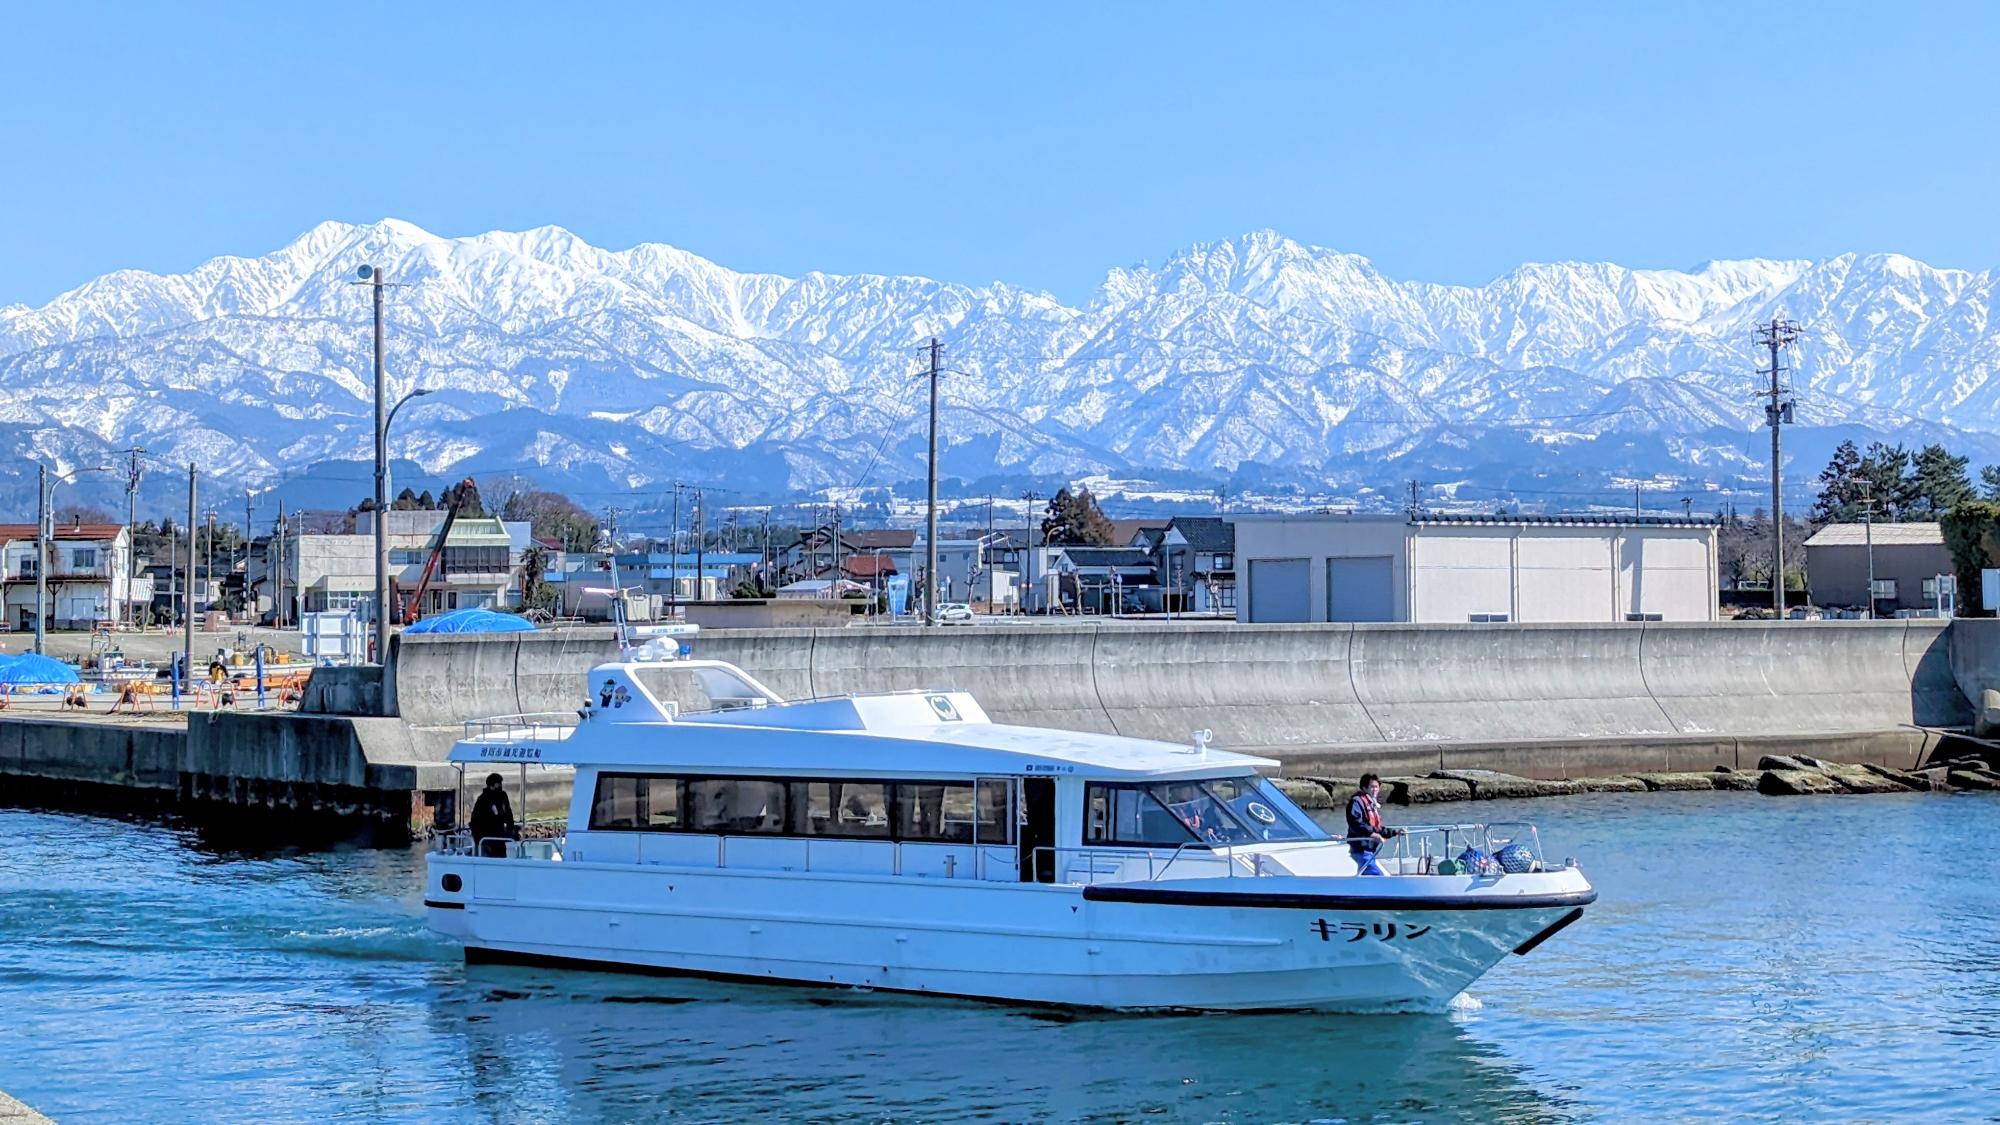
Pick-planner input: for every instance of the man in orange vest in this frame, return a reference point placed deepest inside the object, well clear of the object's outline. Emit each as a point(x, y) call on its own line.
point(1365, 830)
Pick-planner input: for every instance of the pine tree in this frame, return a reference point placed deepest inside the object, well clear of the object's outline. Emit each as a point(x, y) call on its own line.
point(1840, 490)
point(1938, 482)
point(1886, 469)
point(1075, 520)
point(1989, 481)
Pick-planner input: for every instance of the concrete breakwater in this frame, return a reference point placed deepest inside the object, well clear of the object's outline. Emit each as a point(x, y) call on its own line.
point(1546, 702)
point(1538, 700)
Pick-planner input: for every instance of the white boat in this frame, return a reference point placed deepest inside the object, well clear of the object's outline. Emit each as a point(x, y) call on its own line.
point(905, 842)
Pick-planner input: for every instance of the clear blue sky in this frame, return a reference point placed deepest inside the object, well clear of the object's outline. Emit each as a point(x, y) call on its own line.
point(1037, 144)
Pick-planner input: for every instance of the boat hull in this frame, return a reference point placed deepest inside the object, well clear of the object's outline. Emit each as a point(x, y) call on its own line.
point(1192, 947)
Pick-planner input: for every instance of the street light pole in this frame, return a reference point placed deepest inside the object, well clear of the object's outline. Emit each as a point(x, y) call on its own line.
point(372, 277)
point(388, 481)
point(44, 536)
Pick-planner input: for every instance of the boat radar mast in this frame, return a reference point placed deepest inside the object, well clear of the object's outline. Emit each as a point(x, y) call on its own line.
point(645, 643)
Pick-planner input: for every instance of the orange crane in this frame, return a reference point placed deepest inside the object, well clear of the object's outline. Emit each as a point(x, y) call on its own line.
point(414, 609)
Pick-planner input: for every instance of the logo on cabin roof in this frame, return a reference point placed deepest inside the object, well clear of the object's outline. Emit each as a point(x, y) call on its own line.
point(942, 705)
point(613, 694)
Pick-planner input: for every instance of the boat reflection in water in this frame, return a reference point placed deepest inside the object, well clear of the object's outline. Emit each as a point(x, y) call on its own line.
point(597, 1045)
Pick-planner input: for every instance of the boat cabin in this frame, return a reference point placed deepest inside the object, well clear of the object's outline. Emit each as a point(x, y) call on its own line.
point(696, 763)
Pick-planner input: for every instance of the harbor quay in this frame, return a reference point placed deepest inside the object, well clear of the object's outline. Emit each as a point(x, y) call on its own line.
point(366, 751)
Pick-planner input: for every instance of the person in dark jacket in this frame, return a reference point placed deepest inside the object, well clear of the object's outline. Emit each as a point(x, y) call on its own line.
point(1365, 830)
point(493, 818)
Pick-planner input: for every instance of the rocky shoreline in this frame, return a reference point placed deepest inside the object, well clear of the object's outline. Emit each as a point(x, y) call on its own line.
point(1775, 776)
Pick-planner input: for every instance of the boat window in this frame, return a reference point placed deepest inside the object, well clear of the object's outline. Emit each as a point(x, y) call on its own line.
point(934, 810)
point(696, 688)
point(1132, 815)
point(738, 805)
point(846, 808)
point(953, 812)
point(1221, 810)
point(994, 808)
point(636, 802)
point(1264, 809)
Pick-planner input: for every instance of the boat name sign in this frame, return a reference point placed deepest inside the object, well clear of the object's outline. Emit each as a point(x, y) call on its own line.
point(510, 753)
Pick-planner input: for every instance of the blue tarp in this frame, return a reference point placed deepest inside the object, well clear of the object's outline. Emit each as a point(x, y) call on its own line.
point(27, 669)
point(473, 621)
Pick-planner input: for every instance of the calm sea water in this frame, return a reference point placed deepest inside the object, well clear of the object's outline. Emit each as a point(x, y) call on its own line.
point(1751, 957)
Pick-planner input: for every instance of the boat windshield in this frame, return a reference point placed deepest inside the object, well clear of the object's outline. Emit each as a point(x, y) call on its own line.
point(1216, 810)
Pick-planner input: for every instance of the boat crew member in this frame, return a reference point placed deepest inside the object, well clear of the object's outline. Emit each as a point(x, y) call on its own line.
point(1365, 830)
point(493, 819)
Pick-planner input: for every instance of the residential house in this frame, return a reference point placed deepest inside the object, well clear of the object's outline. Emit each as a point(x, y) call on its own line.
point(89, 575)
point(1196, 558)
point(1106, 580)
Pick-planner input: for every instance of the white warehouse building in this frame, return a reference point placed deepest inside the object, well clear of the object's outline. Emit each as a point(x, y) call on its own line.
point(1447, 568)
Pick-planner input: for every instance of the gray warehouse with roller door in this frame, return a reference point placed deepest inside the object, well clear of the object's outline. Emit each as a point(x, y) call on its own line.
point(1443, 568)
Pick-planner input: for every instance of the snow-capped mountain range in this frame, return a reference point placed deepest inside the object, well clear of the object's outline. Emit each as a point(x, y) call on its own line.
point(1258, 357)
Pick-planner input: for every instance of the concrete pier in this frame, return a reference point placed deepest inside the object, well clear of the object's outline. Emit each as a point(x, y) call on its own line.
point(12, 1112)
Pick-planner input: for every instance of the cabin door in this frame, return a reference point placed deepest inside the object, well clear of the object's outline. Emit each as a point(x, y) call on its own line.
point(1038, 829)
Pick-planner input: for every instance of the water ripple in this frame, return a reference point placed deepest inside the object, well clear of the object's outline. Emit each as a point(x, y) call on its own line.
point(1750, 959)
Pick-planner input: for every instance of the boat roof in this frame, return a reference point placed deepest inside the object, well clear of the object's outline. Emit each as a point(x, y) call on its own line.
point(912, 733)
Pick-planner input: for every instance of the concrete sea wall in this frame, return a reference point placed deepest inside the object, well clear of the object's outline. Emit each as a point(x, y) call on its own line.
point(1311, 691)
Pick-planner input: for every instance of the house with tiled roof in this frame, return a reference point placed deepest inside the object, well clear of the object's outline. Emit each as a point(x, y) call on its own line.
point(88, 575)
point(1196, 558)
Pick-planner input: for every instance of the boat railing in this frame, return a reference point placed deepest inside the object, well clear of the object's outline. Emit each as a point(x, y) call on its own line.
point(1109, 864)
point(459, 841)
point(1416, 849)
point(1428, 845)
point(534, 726)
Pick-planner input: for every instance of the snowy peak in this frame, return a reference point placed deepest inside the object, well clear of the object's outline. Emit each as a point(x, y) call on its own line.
point(651, 363)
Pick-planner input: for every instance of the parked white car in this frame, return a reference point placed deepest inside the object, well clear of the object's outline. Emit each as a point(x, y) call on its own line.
point(955, 611)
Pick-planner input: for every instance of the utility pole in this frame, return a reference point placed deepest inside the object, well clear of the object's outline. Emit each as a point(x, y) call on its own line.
point(208, 556)
point(675, 553)
point(249, 513)
point(1687, 507)
point(700, 546)
point(278, 604)
point(1868, 532)
point(1416, 486)
point(930, 515)
point(1029, 499)
point(41, 556)
point(132, 474)
point(1777, 336)
point(1638, 502)
point(187, 589)
point(833, 545)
